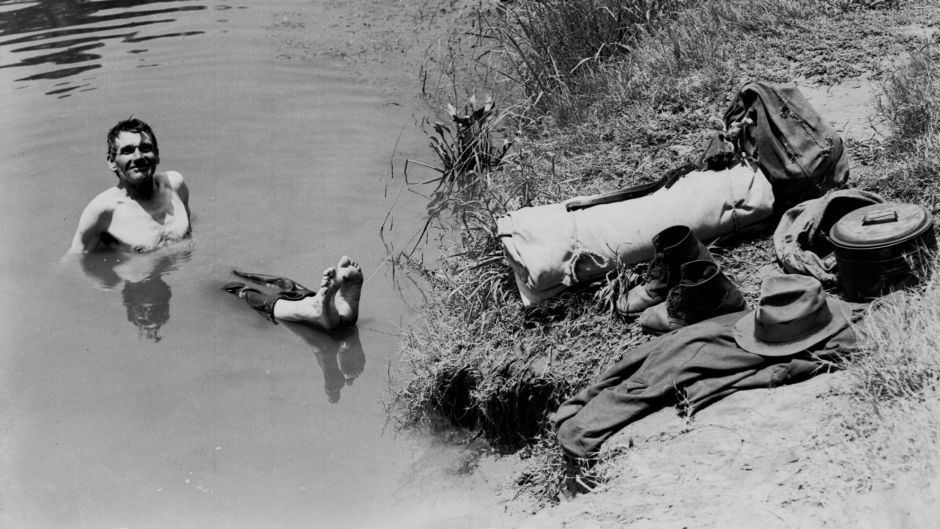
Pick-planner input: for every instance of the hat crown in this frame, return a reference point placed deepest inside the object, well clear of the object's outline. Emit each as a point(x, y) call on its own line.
point(790, 306)
point(793, 315)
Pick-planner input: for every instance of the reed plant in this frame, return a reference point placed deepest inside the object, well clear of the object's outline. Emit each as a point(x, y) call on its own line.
point(470, 147)
point(551, 47)
point(545, 52)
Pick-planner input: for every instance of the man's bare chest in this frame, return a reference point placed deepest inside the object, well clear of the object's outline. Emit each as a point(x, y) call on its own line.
point(145, 226)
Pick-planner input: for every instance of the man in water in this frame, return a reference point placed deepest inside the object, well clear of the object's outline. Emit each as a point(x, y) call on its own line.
point(335, 304)
point(145, 209)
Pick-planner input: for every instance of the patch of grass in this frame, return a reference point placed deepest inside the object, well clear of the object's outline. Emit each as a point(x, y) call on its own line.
point(546, 50)
point(911, 105)
point(501, 372)
point(912, 175)
point(911, 102)
point(467, 148)
point(901, 342)
point(889, 435)
point(851, 5)
point(470, 148)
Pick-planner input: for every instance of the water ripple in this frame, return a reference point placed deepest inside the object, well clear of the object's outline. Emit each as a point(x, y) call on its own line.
point(56, 39)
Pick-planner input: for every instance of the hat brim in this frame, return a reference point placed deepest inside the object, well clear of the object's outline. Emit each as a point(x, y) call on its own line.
point(744, 332)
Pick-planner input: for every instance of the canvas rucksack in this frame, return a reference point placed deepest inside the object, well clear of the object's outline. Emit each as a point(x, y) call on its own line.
point(795, 147)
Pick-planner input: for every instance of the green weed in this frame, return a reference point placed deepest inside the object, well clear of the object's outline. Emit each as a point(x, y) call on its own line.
point(911, 101)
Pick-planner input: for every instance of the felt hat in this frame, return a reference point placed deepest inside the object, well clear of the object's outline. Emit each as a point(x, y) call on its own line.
point(793, 314)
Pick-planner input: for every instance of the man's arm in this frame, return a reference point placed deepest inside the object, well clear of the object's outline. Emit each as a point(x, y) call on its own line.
point(177, 184)
point(92, 225)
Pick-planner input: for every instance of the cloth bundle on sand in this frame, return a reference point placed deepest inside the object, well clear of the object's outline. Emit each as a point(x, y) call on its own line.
point(553, 247)
point(801, 239)
point(697, 365)
point(794, 333)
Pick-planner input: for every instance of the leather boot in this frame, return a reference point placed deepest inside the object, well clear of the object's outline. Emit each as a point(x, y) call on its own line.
point(673, 247)
point(704, 292)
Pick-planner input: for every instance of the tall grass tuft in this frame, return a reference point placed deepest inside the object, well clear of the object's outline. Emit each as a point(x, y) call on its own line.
point(467, 149)
point(911, 101)
point(470, 147)
point(550, 44)
point(902, 338)
point(546, 52)
point(911, 105)
point(892, 432)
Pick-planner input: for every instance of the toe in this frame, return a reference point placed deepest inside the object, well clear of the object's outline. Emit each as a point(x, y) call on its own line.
point(329, 275)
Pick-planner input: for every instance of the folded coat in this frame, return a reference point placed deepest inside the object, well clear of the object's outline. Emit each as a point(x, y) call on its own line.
point(696, 365)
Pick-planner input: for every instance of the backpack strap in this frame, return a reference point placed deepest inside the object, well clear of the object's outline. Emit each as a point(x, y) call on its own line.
point(634, 191)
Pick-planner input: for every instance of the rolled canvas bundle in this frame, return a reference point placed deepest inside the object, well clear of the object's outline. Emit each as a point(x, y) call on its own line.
point(551, 248)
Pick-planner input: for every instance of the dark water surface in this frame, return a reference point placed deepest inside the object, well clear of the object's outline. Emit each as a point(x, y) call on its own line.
point(133, 392)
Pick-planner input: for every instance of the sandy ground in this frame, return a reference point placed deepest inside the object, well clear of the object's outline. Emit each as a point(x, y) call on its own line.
point(755, 459)
point(744, 462)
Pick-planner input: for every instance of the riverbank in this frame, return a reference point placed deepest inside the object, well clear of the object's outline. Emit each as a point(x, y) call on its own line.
point(808, 455)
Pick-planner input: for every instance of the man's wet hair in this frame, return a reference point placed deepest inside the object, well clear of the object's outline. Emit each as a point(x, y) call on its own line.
point(130, 124)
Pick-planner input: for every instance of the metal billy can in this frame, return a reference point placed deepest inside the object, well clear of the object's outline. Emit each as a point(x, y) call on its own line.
point(881, 248)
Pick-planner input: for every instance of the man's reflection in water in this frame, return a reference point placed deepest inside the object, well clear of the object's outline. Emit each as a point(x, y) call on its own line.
point(148, 305)
point(145, 294)
point(339, 354)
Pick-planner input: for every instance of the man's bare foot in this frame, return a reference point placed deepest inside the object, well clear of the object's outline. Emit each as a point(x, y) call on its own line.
point(346, 301)
point(335, 304)
point(318, 309)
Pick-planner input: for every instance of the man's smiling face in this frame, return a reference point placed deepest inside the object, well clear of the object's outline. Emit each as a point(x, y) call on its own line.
point(135, 159)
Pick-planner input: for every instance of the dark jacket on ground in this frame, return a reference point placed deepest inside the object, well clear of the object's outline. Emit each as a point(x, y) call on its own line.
point(695, 365)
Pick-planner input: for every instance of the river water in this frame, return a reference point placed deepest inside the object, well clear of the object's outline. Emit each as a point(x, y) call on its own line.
point(134, 392)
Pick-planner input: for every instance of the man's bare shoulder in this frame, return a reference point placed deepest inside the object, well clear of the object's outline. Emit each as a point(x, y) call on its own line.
point(107, 199)
point(171, 179)
point(95, 219)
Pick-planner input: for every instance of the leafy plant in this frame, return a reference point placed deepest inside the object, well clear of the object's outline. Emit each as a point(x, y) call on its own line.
point(468, 152)
point(470, 148)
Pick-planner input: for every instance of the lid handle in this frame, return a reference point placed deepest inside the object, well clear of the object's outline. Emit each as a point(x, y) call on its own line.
point(880, 217)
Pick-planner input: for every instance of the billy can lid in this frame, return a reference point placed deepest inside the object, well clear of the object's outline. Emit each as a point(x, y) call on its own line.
point(880, 225)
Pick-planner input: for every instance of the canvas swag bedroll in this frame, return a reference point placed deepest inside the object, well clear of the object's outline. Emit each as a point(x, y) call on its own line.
point(553, 247)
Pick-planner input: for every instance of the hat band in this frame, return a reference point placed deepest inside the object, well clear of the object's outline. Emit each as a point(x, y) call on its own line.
point(778, 332)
